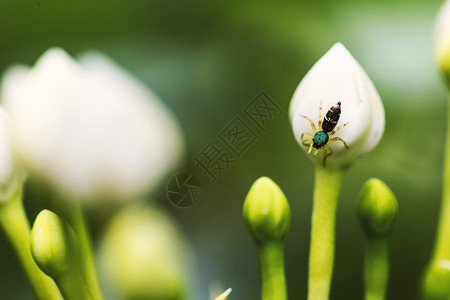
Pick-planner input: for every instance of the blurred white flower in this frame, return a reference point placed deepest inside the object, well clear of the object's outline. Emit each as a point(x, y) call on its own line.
point(11, 175)
point(89, 128)
point(337, 77)
point(442, 45)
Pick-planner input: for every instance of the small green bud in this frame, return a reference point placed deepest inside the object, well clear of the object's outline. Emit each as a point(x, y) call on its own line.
point(436, 283)
point(52, 244)
point(442, 44)
point(377, 209)
point(266, 211)
point(143, 255)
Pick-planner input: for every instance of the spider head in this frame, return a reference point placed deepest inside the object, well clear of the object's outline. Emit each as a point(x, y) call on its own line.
point(320, 139)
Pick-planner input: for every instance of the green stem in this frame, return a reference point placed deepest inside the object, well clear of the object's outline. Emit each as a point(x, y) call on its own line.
point(376, 268)
point(442, 246)
point(87, 267)
point(72, 285)
point(432, 280)
point(271, 259)
point(321, 256)
point(14, 223)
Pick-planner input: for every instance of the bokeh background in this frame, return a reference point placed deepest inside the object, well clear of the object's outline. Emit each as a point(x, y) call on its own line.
point(207, 60)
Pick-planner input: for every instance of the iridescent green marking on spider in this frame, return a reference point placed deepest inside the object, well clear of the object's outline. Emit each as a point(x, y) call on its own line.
point(320, 139)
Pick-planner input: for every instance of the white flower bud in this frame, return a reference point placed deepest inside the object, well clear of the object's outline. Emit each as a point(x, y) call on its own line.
point(337, 77)
point(89, 128)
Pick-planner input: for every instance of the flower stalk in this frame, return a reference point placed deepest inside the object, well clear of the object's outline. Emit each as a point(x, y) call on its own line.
point(442, 244)
point(267, 214)
point(376, 269)
point(377, 212)
point(442, 250)
point(72, 286)
point(436, 279)
point(74, 215)
point(271, 259)
point(321, 255)
point(443, 238)
point(88, 264)
point(14, 223)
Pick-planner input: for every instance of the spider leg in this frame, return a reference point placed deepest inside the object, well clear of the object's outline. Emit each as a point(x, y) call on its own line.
point(338, 139)
point(307, 135)
point(320, 116)
point(326, 148)
point(310, 143)
point(315, 152)
point(340, 127)
point(311, 122)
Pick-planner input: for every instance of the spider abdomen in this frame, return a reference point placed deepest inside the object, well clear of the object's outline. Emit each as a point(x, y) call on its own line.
point(320, 139)
point(331, 118)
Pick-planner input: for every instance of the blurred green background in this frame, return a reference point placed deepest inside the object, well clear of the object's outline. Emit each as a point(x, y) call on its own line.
point(207, 60)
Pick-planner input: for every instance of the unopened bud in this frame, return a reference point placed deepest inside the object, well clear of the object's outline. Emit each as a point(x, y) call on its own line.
point(266, 211)
point(377, 208)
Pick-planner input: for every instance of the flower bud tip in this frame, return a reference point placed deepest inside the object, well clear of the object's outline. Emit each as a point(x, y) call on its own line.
point(377, 208)
point(266, 211)
point(52, 243)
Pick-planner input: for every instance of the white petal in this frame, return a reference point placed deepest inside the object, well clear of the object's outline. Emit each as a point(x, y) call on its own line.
point(7, 165)
point(377, 116)
point(153, 131)
point(36, 101)
point(11, 175)
point(91, 130)
point(337, 77)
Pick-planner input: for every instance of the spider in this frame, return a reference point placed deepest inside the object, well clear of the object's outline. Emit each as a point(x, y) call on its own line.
point(321, 137)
